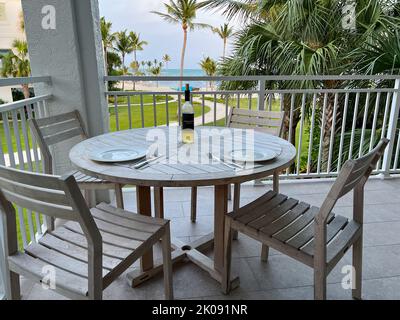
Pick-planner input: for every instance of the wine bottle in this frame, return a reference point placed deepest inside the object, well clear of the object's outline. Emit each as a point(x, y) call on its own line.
point(187, 118)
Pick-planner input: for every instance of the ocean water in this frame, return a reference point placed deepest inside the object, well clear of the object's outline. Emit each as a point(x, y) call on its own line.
point(186, 72)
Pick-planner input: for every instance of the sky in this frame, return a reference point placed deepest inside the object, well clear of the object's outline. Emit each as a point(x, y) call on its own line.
point(162, 36)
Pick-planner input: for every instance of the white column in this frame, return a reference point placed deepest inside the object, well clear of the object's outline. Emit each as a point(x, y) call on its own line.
point(65, 43)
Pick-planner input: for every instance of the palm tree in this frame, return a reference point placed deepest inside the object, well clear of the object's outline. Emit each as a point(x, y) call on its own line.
point(124, 45)
point(166, 58)
point(224, 32)
point(183, 13)
point(156, 68)
point(16, 64)
point(108, 39)
point(137, 43)
point(301, 37)
point(209, 66)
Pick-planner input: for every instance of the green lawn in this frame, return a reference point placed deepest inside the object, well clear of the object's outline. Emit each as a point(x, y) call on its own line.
point(135, 99)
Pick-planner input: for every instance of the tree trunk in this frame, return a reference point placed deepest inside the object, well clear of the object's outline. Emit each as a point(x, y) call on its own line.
point(105, 61)
point(123, 71)
point(25, 90)
point(224, 52)
point(183, 53)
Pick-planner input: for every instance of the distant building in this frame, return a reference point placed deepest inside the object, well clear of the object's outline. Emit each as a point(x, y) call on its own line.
point(10, 29)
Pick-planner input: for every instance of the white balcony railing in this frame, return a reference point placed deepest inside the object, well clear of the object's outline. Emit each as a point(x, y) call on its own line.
point(18, 149)
point(327, 126)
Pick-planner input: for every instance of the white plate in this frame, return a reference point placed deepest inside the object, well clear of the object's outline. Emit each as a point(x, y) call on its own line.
point(244, 155)
point(118, 154)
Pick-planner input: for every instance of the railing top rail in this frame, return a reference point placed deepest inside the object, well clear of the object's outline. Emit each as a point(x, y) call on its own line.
point(252, 78)
point(5, 82)
point(160, 93)
point(22, 103)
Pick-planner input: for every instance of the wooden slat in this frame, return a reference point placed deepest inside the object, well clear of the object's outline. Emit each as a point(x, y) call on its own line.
point(289, 217)
point(261, 114)
point(80, 253)
point(268, 122)
point(250, 206)
point(34, 179)
point(274, 214)
point(60, 127)
point(109, 238)
point(130, 215)
point(276, 201)
point(59, 260)
point(69, 284)
point(297, 225)
point(55, 119)
point(48, 209)
point(332, 230)
point(342, 241)
point(124, 222)
point(62, 136)
point(109, 249)
point(39, 194)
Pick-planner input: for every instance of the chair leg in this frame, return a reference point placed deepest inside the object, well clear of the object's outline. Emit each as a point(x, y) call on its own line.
point(226, 272)
point(236, 206)
point(167, 264)
point(119, 196)
point(15, 289)
point(357, 264)
point(193, 205)
point(264, 253)
point(320, 284)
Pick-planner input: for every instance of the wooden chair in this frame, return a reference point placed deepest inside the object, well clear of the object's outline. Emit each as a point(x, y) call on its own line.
point(87, 253)
point(266, 121)
point(52, 130)
point(314, 236)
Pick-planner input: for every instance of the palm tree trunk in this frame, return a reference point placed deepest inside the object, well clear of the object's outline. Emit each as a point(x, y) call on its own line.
point(25, 90)
point(123, 71)
point(224, 52)
point(183, 53)
point(105, 61)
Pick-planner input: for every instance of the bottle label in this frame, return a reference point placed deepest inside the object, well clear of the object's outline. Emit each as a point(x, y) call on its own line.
point(188, 121)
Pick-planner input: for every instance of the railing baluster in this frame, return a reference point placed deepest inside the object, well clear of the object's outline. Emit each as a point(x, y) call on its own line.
point(203, 109)
point(322, 133)
point(155, 110)
point(226, 108)
point(346, 105)
point(270, 101)
point(373, 131)
point(116, 113)
point(303, 104)
point(142, 109)
point(310, 145)
point(293, 97)
point(238, 101)
point(365, 118)
point(7, 132)
point(179, 108)
point(353, 127)
point(384, 122)
point(397, 154)
point(332, 140)
point(215, 109)
point(167, 109)
point(129, 112)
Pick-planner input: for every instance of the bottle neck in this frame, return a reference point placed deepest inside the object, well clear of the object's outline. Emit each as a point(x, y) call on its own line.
point(187, 95)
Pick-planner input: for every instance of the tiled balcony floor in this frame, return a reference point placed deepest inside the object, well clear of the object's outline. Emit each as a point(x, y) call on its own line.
point(281, 277)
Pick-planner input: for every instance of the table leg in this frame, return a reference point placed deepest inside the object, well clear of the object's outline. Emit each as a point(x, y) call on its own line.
point(220, 209)
point(143, 198)
point(159, 202)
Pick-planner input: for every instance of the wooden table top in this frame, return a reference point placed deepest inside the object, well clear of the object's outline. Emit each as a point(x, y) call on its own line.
point(185, 165)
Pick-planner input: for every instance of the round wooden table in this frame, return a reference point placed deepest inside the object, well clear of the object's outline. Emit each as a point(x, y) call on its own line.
point(183, 165)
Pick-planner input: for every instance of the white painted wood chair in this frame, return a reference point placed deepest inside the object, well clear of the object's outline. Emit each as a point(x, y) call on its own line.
point(314, 236)
point(87, 253)
point(52, 130)
point(266, 121)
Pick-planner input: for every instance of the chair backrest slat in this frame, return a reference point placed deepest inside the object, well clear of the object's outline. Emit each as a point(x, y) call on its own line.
point(353, 174)
point(55, 129)
point(267, 121)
